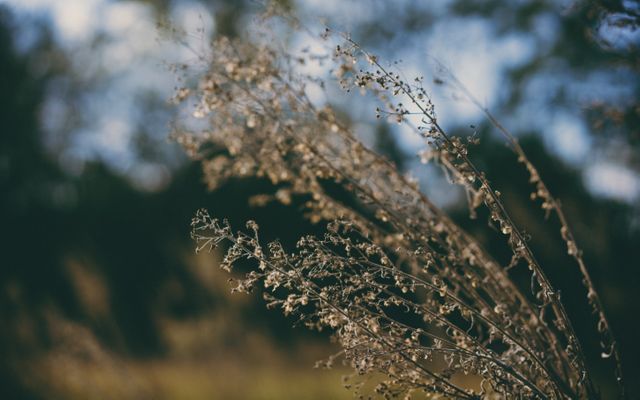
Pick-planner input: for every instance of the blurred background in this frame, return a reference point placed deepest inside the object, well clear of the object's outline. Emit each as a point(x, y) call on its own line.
point(101, 294)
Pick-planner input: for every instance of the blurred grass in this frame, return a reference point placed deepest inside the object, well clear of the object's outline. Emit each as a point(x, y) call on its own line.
point(211, 355)
point(170, 379)
point(79, 367)
point(237, 381)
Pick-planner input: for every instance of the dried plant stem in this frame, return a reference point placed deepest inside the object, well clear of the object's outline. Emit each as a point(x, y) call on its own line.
point(550, 203)
point(405, 290)
point(495, 205)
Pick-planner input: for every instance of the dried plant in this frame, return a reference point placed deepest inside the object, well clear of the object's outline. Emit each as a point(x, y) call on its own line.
point(407, 292)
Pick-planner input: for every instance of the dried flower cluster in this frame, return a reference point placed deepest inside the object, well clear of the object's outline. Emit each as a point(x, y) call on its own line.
point(406, 291)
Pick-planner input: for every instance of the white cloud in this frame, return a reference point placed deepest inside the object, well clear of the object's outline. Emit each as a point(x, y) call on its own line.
point(123, 15)
point(73, 20)
point(613, 181)
point(469, 48)
point(568, 137)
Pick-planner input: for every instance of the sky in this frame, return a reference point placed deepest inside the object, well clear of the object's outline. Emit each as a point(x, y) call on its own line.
point(130, 64)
